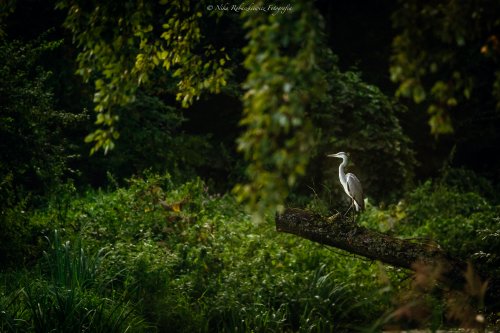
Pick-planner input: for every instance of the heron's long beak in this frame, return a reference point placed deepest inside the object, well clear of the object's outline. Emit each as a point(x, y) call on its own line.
point(332, 155)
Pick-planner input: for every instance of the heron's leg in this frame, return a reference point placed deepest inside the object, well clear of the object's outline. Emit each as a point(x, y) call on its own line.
point(348, 209)
point(353, 211)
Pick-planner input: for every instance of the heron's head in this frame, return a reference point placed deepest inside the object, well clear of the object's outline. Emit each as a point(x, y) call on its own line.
point(339, 155)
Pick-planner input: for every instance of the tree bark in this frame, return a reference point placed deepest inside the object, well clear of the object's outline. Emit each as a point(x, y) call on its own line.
point(343, 234)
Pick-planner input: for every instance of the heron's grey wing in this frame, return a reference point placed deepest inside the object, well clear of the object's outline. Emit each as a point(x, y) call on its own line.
point(355, 189)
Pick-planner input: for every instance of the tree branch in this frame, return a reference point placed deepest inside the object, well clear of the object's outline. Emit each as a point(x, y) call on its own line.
point(338, 232)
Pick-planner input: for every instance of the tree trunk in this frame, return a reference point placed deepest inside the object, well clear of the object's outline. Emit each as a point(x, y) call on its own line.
point(343, 234)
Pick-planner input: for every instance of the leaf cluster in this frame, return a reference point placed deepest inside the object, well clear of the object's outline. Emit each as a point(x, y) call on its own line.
point(123, 45)
point(283, 84)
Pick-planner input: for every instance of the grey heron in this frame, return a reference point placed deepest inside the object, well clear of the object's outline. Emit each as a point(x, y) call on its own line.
point(350, 183)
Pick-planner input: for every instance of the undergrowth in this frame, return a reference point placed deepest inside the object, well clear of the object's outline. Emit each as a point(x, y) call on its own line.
point(158, 256)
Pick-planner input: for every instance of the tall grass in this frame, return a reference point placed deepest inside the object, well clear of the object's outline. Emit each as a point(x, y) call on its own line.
point(64, 297)
point(55, 309)
point(13, 313)
point(69, 266)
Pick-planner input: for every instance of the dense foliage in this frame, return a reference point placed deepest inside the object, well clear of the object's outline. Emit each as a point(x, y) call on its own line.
point(34, 151)
point(188, 261)
point(454, 213)
point(447, 55)
point(220, 97)
point(33, 155)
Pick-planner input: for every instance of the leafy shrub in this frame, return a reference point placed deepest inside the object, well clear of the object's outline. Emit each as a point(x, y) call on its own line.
point(437, 201)
point(464, 180)
point(464, 223)
point(451, 212)
point(33, 150)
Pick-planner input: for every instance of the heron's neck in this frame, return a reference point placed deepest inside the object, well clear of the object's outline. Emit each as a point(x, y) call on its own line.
point(342, 172)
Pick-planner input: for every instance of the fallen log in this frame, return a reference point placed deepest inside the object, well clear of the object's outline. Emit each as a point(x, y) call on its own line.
point(340, 233)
